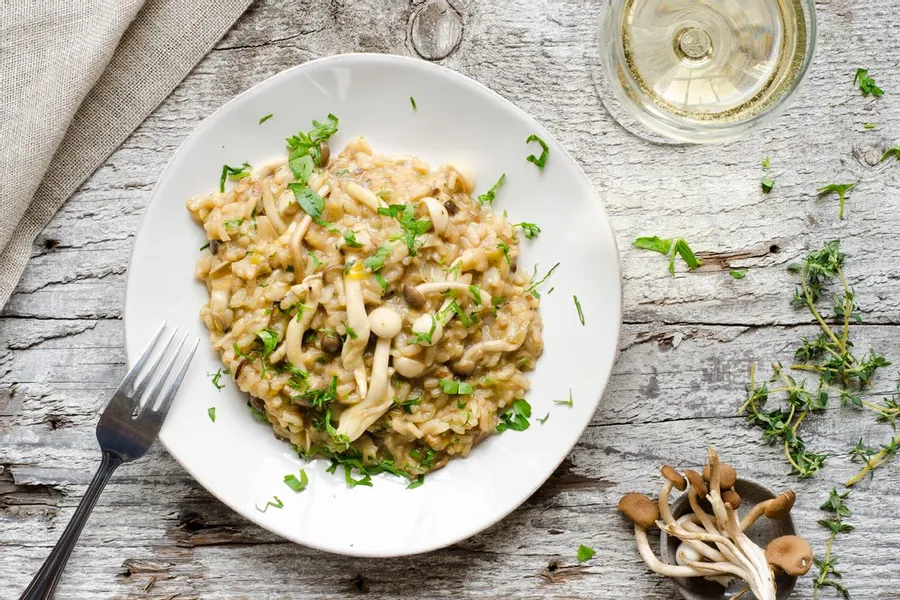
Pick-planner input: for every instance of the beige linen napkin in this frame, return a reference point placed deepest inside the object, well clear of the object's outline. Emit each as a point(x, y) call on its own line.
point(76, 78)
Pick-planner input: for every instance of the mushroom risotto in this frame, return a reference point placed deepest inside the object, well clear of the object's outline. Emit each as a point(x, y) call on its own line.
point(371, 307)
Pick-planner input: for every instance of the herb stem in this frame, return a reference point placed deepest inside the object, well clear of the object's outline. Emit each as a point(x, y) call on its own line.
point(871, 464)
point(812, 307)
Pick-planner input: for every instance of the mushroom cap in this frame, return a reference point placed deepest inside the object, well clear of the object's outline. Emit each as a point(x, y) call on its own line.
point(697, 482)
point(385, 322)
point(727, 475)
point(791, 554)
point(428, 324)
point(674, 476)
point(780, 506)
point(731, 497)
point(640, 509)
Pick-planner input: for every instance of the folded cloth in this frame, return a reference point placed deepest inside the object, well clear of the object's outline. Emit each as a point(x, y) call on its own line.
point(76, 78)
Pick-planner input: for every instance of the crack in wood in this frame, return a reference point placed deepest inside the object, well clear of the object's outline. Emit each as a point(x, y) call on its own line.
point(18, 500)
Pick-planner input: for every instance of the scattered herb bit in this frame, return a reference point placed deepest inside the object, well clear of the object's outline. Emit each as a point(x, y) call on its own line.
point(233, 224)
point(233, 173)
point(505, 247)
point(585, 553)
point(353, 335)
point(539, 161)
point(867, 85)
point(452, 386)
point(375, 262)
point(211, 412)
point(425, 338)
point(873, 459)
point(891, 153)
point(418, 481)
point(319, 397)
point(379, 278)
point(315, 259)
point(671, 248)
point(217, 376)
point(544, 420)
point(305, 146)
point(308, 200)
point(570, 402)
point(276, 504)
point(766, 163)
point(257, 414)
point(531, 230)
point(516, 417)
point(298, 485)
point(738, 273)
point(476, 293)
point(413, 102)
point(489, 196)
point(266, 118)
point(870, 125)
point(841, 190)
point(269, 339)
point(204, 246)
point(532, 289)
point(578, 308)
point(350, 239)
point(767, 184)
point(828, 576)
point(405, 214)
point(407, 404)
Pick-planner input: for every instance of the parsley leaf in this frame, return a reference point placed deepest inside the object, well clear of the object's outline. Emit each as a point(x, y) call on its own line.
point(298, 485)
point(654, 243)
point(585, 553)
point(766, 163)
point(532, 289)
point(738, 273)
point(672, 248)
point(266, 118)
point(767, 184)
point(578, 308)
point(307, 144)
point(233, 173)
point(269, 339)
point(375, 262)
point(276, 504)
point(489, 196)
point(407, 404)
point(516, 417)
point(211, 412)
point(350, 239)
point(505, 247)
point(416, 483)
point(531, 230)
point(308, 200)
point(544, 419)
point(451, 386)
point(413, 102)
point(841, 189)
point(540, 161)
point(257, 414)
point(217, 376)
point(867, 85)
point(406, 216)
point(891, 153)
point(570, 402)
point(686, 254)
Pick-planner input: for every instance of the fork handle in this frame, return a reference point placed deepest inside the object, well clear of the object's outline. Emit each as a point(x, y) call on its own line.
point(44, 582)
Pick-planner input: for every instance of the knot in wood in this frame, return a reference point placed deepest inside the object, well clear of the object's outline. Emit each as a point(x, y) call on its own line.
point(436, 30)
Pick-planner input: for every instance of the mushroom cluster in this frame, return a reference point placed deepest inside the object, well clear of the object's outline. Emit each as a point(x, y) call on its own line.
point(713, 544)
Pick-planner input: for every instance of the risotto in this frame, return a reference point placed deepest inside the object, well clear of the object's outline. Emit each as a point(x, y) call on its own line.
point(370, 306)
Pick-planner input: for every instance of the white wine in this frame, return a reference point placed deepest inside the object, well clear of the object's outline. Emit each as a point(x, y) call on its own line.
point(705, 68)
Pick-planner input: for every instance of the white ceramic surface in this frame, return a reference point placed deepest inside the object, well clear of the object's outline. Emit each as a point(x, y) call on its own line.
point(238, 459)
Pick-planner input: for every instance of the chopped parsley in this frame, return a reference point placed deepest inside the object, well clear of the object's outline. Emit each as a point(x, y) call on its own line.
point(204, 246)
point(570, 402)
point(767, 184)
point(211, 412)
point(841, 189)
point(375, 262)
point(418, 481)
point(489, 196)
point(304, 147)
point(233, 224)
point(738, 273)
point(319, 397)
point(766, 163)
point(269, 339)
point(531, 230)
point(217, 376)
point(407, 404)
point(381, 281)
point(544, 419)
point(276, 504)
point(353, 335)
point(869, 126)
point(539, 161)
point(233, 173)
point(308, 200)
point(867, 85)
point(452, 386)
point(298, 485)
point(420, 338)
point(257, 414)
point(413, 102)
point(578, 308)
point(467, 320)
point(585, 553)
point(266, 118)
point(671, 248)
point(532, 289)
point(516, 417)
point(350, 239)
point(891, 153)
point(505, 247)
point(406, 216)
point(476, 293)
point(315, 259)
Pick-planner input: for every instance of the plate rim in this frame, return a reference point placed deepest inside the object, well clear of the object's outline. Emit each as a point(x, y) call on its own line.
point(478, 87)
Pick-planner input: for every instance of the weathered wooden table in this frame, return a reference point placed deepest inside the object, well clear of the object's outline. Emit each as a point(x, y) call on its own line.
point(686, 346)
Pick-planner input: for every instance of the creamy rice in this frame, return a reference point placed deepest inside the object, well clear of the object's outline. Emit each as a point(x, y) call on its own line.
point(317, 318)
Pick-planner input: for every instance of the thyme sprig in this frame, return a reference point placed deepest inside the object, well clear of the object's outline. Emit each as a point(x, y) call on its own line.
point(828, 576)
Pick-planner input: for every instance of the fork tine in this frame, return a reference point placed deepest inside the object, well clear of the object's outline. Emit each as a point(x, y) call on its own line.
point(151, 370)
point(131, 376)
point(169, 396)
point(153, 393)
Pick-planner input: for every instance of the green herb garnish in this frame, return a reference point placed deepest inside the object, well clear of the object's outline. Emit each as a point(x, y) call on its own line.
point(217, 376)
point(767, 184)
point(585, 553)
point(266, 118)
point(211, 412)
point(570, 402)
point(452, 386)
point(532, 289)
point(578, 308)
point(257, 414)
point(828, 576)
point(305, 146)
point(544, 419)
point(376, 261)
point(298, 485)
point(407, 404)
point(531, 230)
point(738, 273)
point(269, 339)
point(233, 173)
point(891, 153)
point(418, 481)
point(308, 200)
point(540, 161)
point(671, 248)
point(489, 196)
point(516, 417)
point(405, 214)
point(841, 190)
point(867, 85)
point(276, 504)
point(505, 248)
point(350, 239)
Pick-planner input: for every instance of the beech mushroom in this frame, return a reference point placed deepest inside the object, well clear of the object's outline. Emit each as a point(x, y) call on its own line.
point(428, 329)
point(731, 497)
point(727, 475)
point(438, 214)
point(297, 326)
point(364, 196)
point(413, 296)
point(355, 420)
point(776, 508)
point(358, 321)
point(441, 287)
point(474, 353)
point(298, 252)
point(271, 209)
point(790, 554)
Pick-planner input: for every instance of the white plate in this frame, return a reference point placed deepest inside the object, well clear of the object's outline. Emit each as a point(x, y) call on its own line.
point(239, 460)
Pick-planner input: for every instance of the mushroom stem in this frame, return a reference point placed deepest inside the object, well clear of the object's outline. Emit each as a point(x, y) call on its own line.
point(439, 287)
point(666, 512)
point(271, 209)
point(358, 320)
point(364, 196)
point(296, 246)
point(297, 326)
point(354, 421)
point(659, 567)
point(774, 508)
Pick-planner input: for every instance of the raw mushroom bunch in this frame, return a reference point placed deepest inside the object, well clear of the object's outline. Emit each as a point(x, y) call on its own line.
point(713, 543)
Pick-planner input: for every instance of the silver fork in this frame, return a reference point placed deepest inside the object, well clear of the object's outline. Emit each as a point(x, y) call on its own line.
point(126, 431)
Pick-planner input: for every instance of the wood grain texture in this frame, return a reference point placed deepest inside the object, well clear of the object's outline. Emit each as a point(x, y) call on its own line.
point(686, 344)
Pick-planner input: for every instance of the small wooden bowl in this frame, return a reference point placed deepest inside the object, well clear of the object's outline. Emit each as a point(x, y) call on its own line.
point(762, 532)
